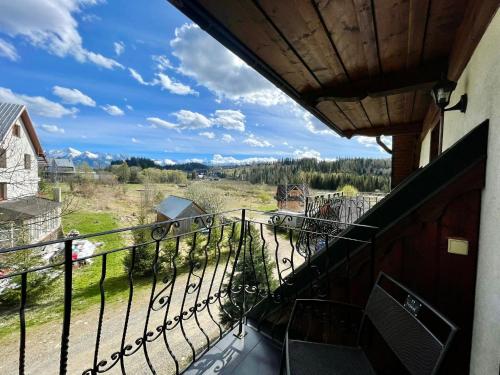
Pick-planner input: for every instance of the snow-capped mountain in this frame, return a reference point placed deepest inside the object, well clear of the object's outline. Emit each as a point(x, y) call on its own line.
point(94, 159)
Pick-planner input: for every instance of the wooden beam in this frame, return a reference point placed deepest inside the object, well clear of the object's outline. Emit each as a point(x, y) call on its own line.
point(478, 16)
point(396, 129)
point(422, 78)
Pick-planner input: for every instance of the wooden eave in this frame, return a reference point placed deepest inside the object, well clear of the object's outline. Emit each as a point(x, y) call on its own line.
point(360, 66)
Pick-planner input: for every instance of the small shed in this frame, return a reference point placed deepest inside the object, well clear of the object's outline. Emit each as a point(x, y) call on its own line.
point(292, 196)
point(174, 208)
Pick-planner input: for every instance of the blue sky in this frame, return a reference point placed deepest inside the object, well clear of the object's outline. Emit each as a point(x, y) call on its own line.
point(122, 77)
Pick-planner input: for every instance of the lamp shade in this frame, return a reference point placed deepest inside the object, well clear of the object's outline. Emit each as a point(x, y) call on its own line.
point(441, 92)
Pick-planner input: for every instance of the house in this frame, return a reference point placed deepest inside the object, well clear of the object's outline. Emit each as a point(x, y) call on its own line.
point(61, 169)
point(292, 197)
point(424, 73)
point(175, 208)
point(24, 216)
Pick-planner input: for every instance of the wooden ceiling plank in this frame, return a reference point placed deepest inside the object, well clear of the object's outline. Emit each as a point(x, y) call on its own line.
point(341, 24)
point(422, 101)
point(355, 112)
point(419, 11)
point(445, 17)
point(376, 111)
point(307, 37)
point(396, 129)
point(239, 17)
point(396, 107)
point(392, 19)
point(364, 15)
point(332, 111)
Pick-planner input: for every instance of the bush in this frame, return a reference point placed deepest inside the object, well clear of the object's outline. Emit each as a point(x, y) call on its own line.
point(349, 190)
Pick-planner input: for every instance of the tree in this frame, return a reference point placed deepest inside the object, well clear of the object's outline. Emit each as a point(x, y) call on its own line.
point(206, 197)
point(251, 269)
point(122, 172)
point(36, 282)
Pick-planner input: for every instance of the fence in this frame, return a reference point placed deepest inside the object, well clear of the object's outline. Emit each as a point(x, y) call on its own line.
point(180, 293)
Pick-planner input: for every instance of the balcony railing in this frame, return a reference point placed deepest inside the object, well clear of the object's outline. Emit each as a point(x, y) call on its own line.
point(182, 291)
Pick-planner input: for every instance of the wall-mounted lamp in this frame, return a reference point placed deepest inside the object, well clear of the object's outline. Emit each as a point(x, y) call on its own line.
point(441, 93)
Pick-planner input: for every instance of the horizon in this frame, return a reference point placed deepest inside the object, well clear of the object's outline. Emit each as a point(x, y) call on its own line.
point(163, 90)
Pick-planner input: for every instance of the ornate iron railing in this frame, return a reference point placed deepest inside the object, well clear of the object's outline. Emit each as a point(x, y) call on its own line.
point(182, 290)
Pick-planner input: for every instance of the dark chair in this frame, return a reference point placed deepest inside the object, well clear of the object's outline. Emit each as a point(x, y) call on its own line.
point(397, 332)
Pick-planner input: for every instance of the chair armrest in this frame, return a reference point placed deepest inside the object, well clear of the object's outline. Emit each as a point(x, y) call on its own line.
point(322, 321)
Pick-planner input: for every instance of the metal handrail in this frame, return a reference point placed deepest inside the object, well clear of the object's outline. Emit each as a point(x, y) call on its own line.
point(230, 263)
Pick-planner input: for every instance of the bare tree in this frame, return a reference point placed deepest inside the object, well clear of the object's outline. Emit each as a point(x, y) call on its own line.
point(206, 197)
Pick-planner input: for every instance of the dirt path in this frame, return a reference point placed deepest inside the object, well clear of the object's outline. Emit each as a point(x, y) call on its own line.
point(43, 342)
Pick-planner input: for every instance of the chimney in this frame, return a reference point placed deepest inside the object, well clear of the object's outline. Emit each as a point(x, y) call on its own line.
point(57, 194)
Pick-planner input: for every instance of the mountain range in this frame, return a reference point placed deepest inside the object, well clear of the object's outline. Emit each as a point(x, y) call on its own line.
point(94, 159)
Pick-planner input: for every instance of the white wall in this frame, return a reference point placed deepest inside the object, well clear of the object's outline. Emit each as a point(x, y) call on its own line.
point(481, 81)
point(20, 182)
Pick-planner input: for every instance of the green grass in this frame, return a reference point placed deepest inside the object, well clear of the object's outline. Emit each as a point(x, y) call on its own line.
point(86, 293)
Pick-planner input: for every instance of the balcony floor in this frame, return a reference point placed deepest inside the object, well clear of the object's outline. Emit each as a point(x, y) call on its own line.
point(254, 354)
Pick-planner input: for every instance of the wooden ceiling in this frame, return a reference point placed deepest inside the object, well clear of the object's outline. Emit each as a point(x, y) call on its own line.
point(361, 66)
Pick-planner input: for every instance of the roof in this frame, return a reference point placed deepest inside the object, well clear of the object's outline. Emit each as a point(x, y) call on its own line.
point(65, 163)
point(25, 208)
point(173, 206)
point(283, 191)
point(361, 67)
point(9, 113)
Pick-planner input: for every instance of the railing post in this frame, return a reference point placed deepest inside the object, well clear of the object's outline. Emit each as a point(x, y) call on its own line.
point(241, 333)
point(68, 288)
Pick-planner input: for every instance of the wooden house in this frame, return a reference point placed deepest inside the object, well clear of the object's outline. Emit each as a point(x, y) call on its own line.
point(177, 208)
point(292, 197)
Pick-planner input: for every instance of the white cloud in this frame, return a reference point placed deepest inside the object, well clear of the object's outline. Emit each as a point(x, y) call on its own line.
point(218, 69)
point(8, 50)
point(209, 135)
point(36, 104)
point(306, 153)
point(254, 141)
point(138, 77)
point(227, 138)
point(165, 82)
point(192, 120)
point(162, 62)
point(164, 124)
point(168, 162)
point(129, 107)
point(72, 96)
point(119, 47)
point(372, 142)
point(50, 25)
point(194, 160)
point(134, 140)
point(227, 118)
point(230, 119)
point(230, 160)
point(113, 110)
point(315, 127)
point(174, 87)
point(52, 129)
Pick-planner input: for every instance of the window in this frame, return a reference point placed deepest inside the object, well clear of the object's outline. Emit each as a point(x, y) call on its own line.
point(3, 158)
point(16, 131)
point(3, 191)
point(27, 161)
